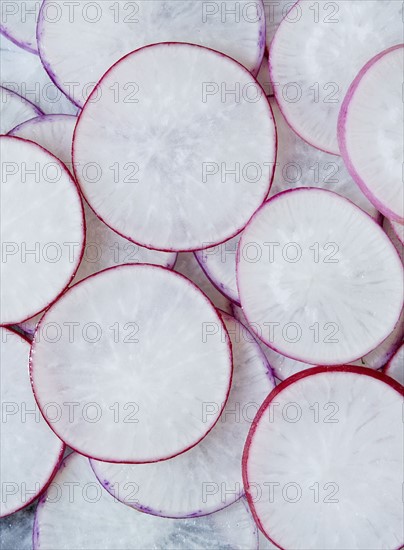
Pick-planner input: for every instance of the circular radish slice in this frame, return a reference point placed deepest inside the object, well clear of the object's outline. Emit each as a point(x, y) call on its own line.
point(373, 146)
point(311, 452)
point(42, 229)
point(134, 357)
point(18, 23)
point(208, 477)
point(30, 451)
point(308, 72)
point(14, 109)
point(180, 183)
point(104, 247)
point(77, 519)
point(318, 275)
point(114, 31)
point(395, 367)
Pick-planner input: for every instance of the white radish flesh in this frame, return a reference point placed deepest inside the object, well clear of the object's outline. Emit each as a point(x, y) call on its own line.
point(395, 367)
point(18, 23)
point(14, 109)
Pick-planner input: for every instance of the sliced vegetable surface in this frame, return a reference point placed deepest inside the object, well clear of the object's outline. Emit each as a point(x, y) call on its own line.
point(18, 23)
point(395, 367)
point(14, 109)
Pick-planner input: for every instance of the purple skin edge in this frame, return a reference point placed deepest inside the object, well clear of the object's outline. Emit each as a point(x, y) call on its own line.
point(17, 42)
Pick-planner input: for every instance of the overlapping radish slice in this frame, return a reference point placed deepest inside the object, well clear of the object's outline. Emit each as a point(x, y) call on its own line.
point(208, 477)
point(370, 132)
point(395, 367)
point(316, 274)
point(310, 76)
point(18, 23)
point(88, 517)
point(275, 12)
point(264, 78)
point(30, 451)
point(398, 229)
point(394, 237)
point(311, 451)
point(165, 174)
point(42, 229)
point(14, 109)
point(140, 328)
point(110, 30)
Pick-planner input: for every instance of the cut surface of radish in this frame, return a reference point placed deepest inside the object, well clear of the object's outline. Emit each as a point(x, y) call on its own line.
point(398, 229)
point(370, 131)
point(42, 229)
point(316, 275)
point(179, 182)
point(94, 519)
point(322, 466)
point(207, 477)
point(310, 76)
point(30, 451)
point(14, 109)
point(139, 361)
point(65, 46)
point(264, 78)
point(18, 22)
point(395, 367)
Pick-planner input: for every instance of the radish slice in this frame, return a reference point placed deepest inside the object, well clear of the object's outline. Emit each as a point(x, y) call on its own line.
point(176, 193)
point(308, 72)
point(303, 254)
point(398, 229)
point(373, 147)
point(395, 367)
point(208, 477)
point(30, 451)
point(393, 235)
point(91, 518)
point(106, 32)
point(137, 361)
point(263, 77)
point(311, 451)
point(14, 109)
point(42, 229)
point(18, 22)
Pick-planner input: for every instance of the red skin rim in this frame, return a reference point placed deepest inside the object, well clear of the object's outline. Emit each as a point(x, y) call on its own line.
point(19, 43)
point(388, 365)
point(59, 456)
point(257, 213)
point(291, 380)
point(185, 44)
point(228, 343)
point(83, 224)
point(342, 120)
point(23, 100)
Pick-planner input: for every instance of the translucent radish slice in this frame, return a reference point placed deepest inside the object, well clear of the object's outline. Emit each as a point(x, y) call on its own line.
point(133, 357)
point(30, 451)
point(208, 477)
point(14, 109)
point(395, 367)
point(308, 72)
point(42, 229)
point(313, 447)
point(373, 146)
point(67, 44)
point(188, 265)
point(319, 277)
point(18, 23)
point(91, 518)
point(172, 189)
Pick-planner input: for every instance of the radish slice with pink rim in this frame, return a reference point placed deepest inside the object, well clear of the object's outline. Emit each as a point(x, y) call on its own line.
point(373, 146)
point(395, 367)
point(14, 109)
point(317, 274)
point(42, 229)
point(30, 451)
point(172, 189)
point(310, 76)
point(398, 229)
point(208, 477)
point(394, 237)
point(311, 451)
point(18, 23)
point(141, 328)
point(109, 31)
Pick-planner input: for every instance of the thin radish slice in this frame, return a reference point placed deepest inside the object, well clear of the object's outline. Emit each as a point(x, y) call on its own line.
point(373, 146)
point(106, 32)
point(18, 22)
point(14, 109)
point(319, 277)
point(22, 72)
point(187, 184)
point(394, 237)
point(395, 367)
point(208, 477)
point(91, 518)
point(263, 77)
point(308, 72)
point(42, 229)
point(398, 229)
point(188, 265)
point(275, 12)
point(30, 451)
point(311, 451)
point(133, 357)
